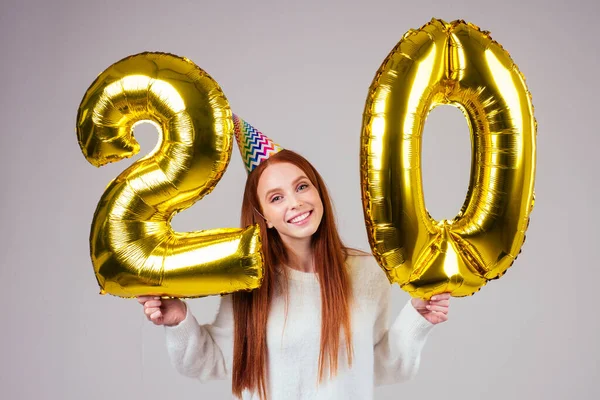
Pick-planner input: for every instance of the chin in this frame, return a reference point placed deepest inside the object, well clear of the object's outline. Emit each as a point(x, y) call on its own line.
point(309, 232)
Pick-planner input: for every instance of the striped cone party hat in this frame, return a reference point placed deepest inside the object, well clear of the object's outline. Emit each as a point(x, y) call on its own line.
point(254, 146)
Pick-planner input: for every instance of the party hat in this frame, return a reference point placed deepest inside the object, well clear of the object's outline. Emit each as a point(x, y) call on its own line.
point(254, 146)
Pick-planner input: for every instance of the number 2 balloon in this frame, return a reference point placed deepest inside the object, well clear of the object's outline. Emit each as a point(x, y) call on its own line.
point(133, 248)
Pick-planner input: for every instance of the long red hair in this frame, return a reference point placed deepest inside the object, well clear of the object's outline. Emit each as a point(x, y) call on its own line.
point(251, 309)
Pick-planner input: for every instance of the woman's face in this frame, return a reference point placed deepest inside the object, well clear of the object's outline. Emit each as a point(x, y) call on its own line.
point(290, 202)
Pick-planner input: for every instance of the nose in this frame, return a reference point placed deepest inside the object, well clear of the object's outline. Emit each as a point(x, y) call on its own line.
point(296, 202)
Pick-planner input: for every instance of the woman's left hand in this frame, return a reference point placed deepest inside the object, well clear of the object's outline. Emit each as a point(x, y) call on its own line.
point(434, 310)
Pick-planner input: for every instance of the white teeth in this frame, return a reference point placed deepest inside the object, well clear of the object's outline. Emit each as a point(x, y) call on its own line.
point(300, 217)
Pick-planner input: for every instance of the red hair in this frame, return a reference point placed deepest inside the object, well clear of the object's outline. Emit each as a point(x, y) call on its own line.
point(250, 309)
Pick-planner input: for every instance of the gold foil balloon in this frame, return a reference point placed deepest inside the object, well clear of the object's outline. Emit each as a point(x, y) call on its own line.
point(133, 248)
point(457, 64)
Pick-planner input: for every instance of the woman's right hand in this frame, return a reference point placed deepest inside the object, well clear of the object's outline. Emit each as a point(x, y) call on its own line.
point(169, 312)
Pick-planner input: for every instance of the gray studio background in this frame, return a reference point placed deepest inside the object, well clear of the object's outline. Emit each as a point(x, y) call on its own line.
point(299, 71)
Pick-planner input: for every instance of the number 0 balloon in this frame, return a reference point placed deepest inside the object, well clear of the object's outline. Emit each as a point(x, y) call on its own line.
point(133, 248)
point(457, 64)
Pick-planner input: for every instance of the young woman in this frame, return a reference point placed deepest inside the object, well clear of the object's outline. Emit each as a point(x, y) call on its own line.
point(318, 326)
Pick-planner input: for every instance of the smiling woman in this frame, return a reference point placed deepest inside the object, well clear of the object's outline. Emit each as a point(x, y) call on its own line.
point(318, 326)
point(291, 204)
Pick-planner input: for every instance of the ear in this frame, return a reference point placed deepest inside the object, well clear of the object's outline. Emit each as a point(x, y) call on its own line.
point(269, 225)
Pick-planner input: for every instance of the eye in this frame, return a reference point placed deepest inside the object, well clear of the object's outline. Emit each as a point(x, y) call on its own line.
point(302, 186)
point(275, 198)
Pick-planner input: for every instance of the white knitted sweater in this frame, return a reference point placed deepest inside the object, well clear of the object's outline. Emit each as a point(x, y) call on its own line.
point(383, 354)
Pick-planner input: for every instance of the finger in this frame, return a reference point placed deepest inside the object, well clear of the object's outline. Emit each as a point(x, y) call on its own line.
point(442, 317)
point(156, 317)
point(418, 303)
point(445, 303)
point(143, 299)
point(438, 309)
point(439, 317)
point(441, 296)
point(151, 310)
point(153, 303)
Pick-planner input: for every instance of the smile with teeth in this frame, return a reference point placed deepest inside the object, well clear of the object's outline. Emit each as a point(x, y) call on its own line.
point(300, 217)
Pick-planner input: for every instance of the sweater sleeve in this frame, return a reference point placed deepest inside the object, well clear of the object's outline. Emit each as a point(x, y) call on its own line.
point(398, 348)
point(204, 352)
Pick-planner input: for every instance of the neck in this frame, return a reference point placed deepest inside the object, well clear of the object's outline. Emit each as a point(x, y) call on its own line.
point(300, 255)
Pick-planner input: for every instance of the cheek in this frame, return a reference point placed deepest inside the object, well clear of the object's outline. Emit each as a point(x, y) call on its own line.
point(319, 205)
point(319, 202)
point(271, 212)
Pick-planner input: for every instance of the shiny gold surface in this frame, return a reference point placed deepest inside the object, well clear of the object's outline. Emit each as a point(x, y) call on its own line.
point(133, 248)
point(457, 64)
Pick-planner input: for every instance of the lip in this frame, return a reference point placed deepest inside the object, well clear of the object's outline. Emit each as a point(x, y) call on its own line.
point(304, 221)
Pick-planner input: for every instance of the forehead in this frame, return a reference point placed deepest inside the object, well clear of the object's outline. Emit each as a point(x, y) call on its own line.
point(278, 175)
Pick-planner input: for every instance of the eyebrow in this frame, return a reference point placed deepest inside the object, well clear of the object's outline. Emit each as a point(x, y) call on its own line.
point(301, 177)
